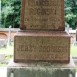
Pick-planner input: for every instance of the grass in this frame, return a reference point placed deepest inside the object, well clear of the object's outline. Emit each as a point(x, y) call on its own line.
point(8, 50)
point(73, 51)
point(3, 64)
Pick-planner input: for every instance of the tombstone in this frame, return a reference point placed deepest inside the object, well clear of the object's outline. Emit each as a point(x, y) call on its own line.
point(75, 42)
point(37, 46)
point(42, 37)
point(41, 70)
point(42, 15)
point(3, 43)
point(3, 40)
point(2, 58)
point(42, 43)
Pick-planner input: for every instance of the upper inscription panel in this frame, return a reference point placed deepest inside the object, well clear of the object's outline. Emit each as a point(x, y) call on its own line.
point(42, 14)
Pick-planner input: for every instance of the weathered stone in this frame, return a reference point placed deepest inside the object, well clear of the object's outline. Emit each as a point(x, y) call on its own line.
point(41, 70)
point(42, 14)
point(3, 43)
point(42, 46)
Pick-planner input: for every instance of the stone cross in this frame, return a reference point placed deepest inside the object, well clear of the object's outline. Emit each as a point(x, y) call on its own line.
point(9, 35)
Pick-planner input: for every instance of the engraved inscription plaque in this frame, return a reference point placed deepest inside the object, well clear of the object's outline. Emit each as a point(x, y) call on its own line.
point(42, 14)
point(42, 46)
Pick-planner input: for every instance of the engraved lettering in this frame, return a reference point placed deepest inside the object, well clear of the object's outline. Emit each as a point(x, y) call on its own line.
point(43, 14)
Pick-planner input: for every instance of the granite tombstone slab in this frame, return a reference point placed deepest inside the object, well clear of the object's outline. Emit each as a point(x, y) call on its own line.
point(41, 69)
point(42, 15)
point(44, 38)
point(42, 46)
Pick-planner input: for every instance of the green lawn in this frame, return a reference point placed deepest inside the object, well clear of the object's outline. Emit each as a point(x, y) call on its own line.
point(8, 50)
point(73, 50)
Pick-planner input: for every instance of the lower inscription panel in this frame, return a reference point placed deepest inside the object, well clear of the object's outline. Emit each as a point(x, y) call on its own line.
point(42, 46)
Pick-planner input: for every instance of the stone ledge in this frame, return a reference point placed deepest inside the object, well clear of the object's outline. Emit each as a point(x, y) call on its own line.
point(41, 70)
point(71, 64)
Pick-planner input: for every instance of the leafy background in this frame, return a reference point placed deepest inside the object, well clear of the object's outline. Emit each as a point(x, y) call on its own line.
point(10, 13)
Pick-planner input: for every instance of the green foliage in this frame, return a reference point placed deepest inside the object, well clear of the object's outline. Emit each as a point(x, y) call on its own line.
point(10, 13)
point(71, 13)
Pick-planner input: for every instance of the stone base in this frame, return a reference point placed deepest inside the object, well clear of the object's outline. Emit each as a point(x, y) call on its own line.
point(44, 46)
point(41, 70)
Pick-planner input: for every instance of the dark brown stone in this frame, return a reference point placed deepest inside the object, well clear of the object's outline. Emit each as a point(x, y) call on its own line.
point(42, 15)
point(42, 46)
